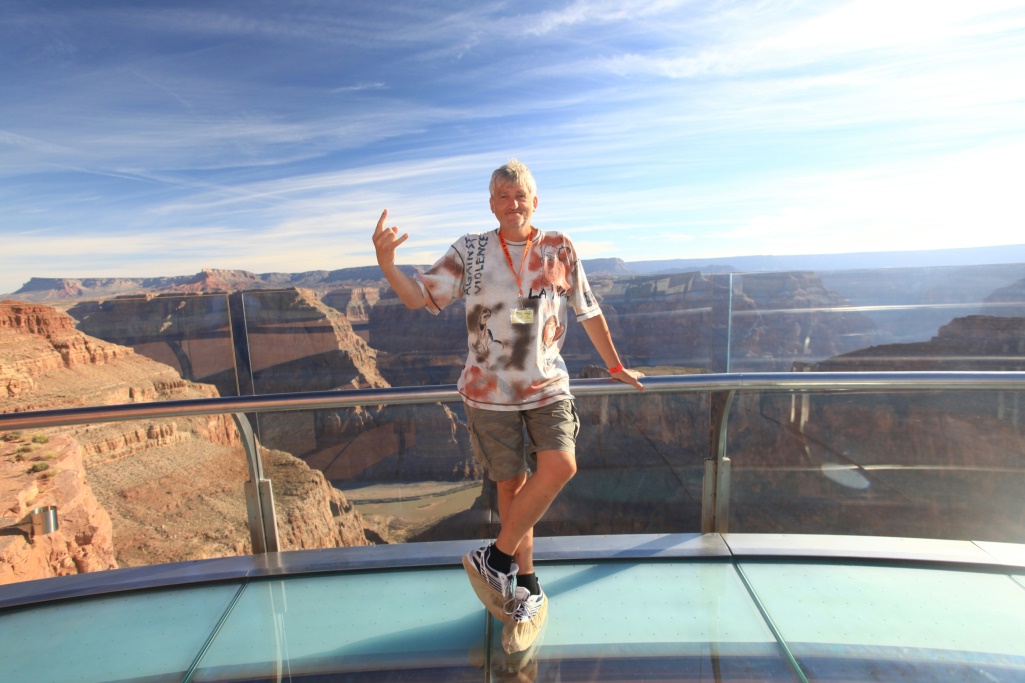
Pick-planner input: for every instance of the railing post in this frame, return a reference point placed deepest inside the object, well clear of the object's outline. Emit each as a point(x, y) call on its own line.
point(715, 493)
point(263, 520)
point(708, 497)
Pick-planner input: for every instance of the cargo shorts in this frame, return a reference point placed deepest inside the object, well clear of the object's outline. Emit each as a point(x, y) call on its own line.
point(506, 442)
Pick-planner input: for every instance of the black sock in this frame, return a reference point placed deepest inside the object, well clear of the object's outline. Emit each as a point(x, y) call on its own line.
point(529, 581)
point(498, 560)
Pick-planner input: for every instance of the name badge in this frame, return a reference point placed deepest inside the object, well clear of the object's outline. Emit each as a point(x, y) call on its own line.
point(522, 316)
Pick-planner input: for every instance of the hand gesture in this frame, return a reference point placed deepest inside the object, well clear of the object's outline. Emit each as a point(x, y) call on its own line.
point(386, 240)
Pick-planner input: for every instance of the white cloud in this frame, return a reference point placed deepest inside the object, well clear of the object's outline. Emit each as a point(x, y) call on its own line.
point(599, 12)
point(716, 127)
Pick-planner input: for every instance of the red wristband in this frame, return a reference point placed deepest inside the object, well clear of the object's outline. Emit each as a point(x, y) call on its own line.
point(618, 368)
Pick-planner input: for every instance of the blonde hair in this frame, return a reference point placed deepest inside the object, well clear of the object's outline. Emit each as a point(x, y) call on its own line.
point(513, 172)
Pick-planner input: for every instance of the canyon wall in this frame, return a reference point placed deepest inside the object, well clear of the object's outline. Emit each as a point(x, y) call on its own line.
point(39, 471)
point(289, 340)
point(191, 333)
point(172, 488)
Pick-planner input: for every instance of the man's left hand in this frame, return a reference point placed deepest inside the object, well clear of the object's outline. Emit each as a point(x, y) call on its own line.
point(627, 376)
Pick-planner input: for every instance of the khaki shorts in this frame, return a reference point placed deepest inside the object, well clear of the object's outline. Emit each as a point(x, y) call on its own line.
point(498, 439)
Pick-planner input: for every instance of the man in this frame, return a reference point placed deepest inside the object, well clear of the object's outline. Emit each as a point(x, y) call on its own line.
point(518, 282)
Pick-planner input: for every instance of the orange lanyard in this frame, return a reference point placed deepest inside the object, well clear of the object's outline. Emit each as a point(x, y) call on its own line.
point(508, 258)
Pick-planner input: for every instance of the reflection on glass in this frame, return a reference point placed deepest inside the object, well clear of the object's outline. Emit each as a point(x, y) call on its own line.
point(639, 467)
point(406, 473)
point(895, 319)
point(654, 621)
point(656, 321)
point(915, 464)
point(864, 623)
point(363, 626)
point(189, 332)
point(396, 473)
point(298, 343)
point(141, 636)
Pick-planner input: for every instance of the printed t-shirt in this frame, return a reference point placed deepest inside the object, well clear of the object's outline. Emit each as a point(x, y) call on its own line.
point(513, 360)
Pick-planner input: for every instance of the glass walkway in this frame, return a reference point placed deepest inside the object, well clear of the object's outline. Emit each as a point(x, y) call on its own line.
point(701, 607)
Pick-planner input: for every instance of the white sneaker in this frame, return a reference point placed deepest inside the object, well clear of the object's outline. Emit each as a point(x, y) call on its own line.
point(492, 587)
point(527, 613)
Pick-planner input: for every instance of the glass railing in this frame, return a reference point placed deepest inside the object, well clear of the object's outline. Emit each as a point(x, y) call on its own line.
point(931, 464)
point(192, 333)
point(954, 318)
point(766, 470)
point(924, 464)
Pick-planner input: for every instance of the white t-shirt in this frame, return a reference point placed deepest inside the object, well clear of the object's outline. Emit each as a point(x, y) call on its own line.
point(513, 360)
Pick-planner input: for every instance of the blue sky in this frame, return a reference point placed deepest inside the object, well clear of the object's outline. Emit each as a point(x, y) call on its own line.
point(161, 138)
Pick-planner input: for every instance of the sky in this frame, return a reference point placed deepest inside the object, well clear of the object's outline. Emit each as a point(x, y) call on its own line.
point(160, 138)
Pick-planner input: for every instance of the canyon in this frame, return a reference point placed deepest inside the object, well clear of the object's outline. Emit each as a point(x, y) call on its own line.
point(827, 463)
point(135, 492)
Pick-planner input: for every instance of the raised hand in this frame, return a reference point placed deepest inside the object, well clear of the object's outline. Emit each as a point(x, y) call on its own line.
point(386, 241)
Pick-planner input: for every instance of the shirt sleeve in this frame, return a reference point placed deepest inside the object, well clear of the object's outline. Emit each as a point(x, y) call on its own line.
point(442, 283)
point(582, 301)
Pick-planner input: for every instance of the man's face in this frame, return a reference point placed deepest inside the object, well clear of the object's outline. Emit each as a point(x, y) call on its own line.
point(514, 206)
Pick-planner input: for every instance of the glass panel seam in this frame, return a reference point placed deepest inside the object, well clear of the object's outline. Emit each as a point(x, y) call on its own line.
point(1016, 582)
point(770, 623)
point(487, 647)
point(213, 634)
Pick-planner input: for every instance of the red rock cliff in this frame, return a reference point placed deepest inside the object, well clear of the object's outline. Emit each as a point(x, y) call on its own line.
point(172, 488)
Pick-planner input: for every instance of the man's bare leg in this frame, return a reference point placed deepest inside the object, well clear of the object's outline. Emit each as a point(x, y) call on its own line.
point(531, 501)
point(507, 490)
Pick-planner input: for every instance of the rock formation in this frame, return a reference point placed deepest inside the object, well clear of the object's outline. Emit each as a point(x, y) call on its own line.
point(58, 290)
point(289, 340)
point(1009, 300)
point(39, 471)
point(172, 487)
point(190, 333)
point(297, 343)
point(355, 304)
point(976, 342)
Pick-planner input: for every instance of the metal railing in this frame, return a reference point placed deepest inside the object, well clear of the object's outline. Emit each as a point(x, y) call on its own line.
point(716, 482)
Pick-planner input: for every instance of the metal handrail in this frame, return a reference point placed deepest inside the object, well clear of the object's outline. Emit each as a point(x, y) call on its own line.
point(347, 398)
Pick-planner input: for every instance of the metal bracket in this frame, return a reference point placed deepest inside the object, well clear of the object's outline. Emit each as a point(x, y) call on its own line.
point(715, 490)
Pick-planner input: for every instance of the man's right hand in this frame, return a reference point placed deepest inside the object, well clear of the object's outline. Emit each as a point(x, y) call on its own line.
point(386, 241)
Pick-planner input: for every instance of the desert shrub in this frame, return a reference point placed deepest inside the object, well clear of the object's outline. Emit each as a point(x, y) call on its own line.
point(40, 438)
point(39, 467)
point(12, 436)
point(25, 449)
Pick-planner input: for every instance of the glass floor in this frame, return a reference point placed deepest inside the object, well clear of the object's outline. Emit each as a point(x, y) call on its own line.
point(637, 619)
